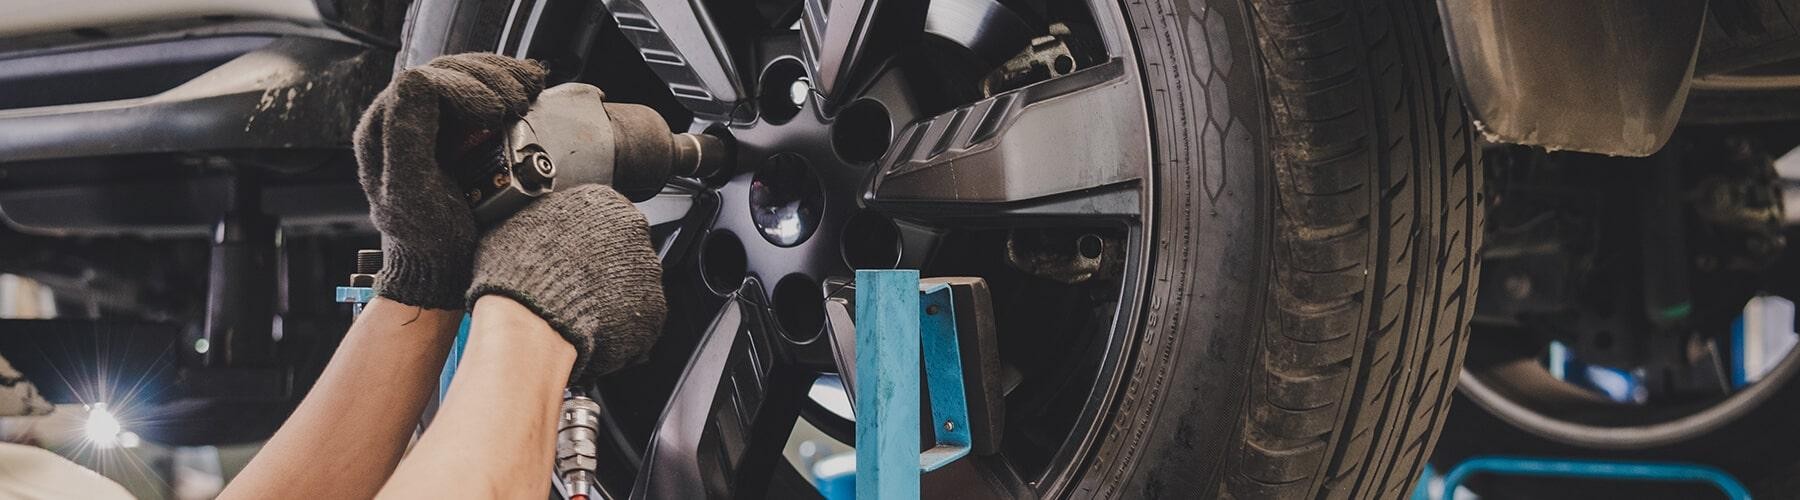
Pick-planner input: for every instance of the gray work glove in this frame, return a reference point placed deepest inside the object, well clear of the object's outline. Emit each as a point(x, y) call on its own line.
point(581, 260)
point(429, 112)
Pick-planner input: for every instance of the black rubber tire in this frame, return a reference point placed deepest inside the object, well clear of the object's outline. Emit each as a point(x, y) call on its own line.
point(1315, 265)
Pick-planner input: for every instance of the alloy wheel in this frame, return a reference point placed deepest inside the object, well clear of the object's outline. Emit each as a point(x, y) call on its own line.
point(864, 140)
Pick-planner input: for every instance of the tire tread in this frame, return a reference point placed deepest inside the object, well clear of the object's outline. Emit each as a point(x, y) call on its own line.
point(1374, 315)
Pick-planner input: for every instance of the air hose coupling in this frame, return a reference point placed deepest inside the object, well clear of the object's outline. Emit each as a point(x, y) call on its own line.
point(576, 445)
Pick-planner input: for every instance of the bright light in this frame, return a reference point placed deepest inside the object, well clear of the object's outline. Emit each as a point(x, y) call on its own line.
point(798, 91)
point(828, 391)
point(102, 427)
point(129, 439)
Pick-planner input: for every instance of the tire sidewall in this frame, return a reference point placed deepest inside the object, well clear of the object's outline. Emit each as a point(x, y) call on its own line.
point(1177, 416)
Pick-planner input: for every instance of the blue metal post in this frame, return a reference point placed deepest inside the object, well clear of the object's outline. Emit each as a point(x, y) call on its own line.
point(887, 392)
point(359, 296)
point(455, 357)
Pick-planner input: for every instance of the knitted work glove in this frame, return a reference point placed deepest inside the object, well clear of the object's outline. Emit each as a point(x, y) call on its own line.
point(427, 229)
point(580, 259)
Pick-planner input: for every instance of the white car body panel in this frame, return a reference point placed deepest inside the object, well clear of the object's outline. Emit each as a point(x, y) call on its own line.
point(27, 17)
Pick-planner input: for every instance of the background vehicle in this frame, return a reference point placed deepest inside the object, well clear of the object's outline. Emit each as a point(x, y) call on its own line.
point(1635, 269)
point(1231, 244)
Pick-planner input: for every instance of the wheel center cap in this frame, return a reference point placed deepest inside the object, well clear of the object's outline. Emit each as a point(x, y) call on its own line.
point(786, 200)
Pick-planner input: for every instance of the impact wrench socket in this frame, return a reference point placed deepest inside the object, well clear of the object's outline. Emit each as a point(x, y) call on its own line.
point(570, 137)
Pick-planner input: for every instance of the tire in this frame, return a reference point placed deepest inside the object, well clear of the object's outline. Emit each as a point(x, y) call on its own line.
point(1312, 270)
point(1316, 278)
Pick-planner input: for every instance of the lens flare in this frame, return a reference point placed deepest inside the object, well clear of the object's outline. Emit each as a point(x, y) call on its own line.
point(102, 427)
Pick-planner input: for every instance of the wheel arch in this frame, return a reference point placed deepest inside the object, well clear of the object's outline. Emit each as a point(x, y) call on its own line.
point(1619, 92)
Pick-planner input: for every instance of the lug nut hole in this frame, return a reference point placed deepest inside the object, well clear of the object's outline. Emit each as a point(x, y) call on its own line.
point(861, 133)
point(782, 91)
point(870, 241)
point(722, 262)
point(799, 307)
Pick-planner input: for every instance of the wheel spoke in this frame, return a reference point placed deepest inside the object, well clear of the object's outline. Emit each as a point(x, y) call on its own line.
point(849, 39)
point(684, 47)
point(731, 411)
point(678, 217)
point(1072, 139)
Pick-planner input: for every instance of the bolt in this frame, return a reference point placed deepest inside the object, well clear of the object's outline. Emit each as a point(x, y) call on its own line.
point(501, 180)
point(368, 261)
point(542, 163)
point(474, 195)
point(949, 425)
point(1089, 246)
point(931, 309)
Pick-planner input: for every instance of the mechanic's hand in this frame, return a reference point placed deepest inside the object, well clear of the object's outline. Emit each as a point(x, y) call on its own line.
point(580, 259)
point(427, 229)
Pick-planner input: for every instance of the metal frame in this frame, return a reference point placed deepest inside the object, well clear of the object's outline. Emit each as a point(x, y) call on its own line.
point(1594, 469)
point(904, 324)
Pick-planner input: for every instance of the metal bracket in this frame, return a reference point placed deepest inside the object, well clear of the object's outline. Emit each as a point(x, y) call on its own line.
point(899, 326)
point(357, 296)
point(943, 378)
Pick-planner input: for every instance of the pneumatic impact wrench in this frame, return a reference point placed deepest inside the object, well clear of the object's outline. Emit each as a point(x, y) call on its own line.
point(571, 137)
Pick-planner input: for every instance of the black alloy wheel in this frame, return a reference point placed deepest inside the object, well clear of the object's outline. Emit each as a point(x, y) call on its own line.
point(845, 161)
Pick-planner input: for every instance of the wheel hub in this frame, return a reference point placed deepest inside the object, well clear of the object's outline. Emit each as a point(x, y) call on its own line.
point(786, 200)
point(801, 174)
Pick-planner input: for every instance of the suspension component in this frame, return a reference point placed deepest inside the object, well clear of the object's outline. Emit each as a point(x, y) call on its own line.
point(242, 275)
point(1047, 57)
point(1070, 256)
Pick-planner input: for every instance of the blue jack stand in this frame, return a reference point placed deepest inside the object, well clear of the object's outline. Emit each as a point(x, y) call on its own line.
point(898, 325)
point(356, 296)
point(1594, 469)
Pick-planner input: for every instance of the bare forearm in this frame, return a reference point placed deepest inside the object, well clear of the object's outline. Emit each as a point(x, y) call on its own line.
point(353, 427)
point(494, 436)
